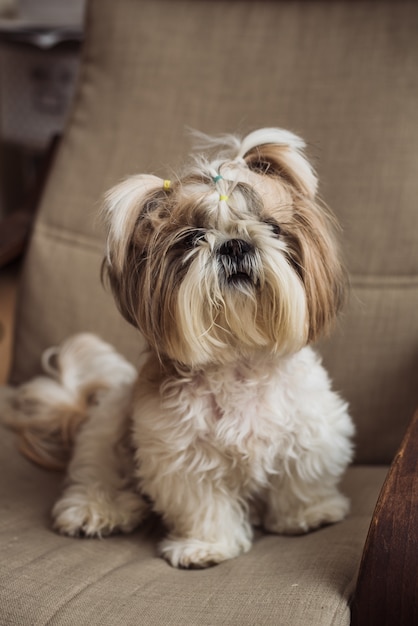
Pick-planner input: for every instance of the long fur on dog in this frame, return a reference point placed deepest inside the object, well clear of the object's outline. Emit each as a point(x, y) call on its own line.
point(230, 271)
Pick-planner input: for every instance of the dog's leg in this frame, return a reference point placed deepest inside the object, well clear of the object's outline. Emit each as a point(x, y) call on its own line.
point(304, 494)
point(187, 481)
point(207, 525)
point(99, 498)
point(296, 506)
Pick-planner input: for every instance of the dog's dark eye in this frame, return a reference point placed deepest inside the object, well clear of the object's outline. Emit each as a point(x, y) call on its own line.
point(192, 238)
point(274, 227)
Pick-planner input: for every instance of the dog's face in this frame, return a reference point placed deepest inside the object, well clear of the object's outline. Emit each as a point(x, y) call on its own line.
point(233, 257)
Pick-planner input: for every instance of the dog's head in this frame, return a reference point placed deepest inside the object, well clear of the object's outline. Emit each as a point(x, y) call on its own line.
point(235, 256)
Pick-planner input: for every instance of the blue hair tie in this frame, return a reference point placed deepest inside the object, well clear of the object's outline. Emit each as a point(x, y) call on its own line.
point(217, 178)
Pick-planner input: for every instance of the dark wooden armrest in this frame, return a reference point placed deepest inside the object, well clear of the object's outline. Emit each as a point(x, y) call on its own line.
point(387, 585)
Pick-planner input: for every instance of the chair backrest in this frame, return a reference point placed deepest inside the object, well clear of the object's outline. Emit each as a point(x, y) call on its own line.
point(341, 74)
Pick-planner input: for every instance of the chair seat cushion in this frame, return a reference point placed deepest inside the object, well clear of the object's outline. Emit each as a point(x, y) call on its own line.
point(120, 580)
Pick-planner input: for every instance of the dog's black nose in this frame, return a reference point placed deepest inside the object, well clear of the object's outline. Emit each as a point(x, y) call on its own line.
point(236, 248)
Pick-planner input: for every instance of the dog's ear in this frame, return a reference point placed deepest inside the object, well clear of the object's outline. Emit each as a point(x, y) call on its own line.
point(314, 250)
point(278, 152)
point(123, 205)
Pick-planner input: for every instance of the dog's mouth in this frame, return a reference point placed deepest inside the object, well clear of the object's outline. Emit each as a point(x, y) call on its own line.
point(239, 274)
point(240, 278)
point(237, 263)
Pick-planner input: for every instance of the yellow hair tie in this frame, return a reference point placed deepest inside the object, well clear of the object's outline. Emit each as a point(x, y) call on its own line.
point(223, 198)
point(167, 184)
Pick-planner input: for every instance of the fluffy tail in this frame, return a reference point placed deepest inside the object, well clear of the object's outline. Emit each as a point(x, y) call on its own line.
point(47, 412)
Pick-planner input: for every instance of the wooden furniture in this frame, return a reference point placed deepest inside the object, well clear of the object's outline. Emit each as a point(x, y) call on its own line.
point(387, 586)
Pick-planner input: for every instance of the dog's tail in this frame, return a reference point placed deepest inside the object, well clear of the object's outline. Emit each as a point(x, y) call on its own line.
point(47, 412)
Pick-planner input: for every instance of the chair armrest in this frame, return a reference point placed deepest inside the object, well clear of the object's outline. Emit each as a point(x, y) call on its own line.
point(387, 585)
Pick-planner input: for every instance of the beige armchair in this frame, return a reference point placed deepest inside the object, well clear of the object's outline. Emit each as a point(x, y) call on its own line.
point(343, 75)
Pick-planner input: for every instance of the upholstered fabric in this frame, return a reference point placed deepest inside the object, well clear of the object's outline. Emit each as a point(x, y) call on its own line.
point(120, 581)
point(342, 74)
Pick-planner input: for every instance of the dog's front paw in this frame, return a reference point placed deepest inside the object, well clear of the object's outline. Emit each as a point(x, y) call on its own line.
point(97, 514)
point(197, 554)
point(302, 520)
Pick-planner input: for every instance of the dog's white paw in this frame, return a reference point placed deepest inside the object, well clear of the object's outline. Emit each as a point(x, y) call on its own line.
point(197, 554)
point(97, 514)
point(327, 511)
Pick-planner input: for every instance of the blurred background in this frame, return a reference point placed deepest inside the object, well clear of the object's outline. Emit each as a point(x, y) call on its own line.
point(39, 55)
point(40, 43)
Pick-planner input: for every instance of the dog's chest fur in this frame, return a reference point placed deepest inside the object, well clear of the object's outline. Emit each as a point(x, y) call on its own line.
point(243, 420)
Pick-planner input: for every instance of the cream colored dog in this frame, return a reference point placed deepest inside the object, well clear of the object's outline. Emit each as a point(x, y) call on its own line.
point(230, 272)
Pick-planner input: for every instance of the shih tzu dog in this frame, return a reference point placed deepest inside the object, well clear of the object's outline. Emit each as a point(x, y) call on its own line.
point(230, 272)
